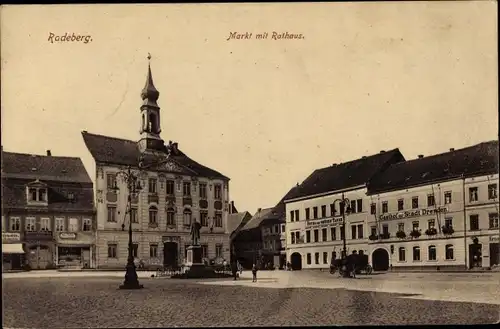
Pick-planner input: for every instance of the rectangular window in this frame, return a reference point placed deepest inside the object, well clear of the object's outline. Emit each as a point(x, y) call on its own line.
point(323, 211)
point(492, 191)
point(373, 230)
point(473, 195)
point(111, 181)
point(493, 220)
point(474, 222)
point(291, 215)
point(204, 218)
point(204, 251)
point(431, 223)
point(87, 225)
point(292, 237)
point(333, 233)
point(414, 202)
point(431, 202)
point(135, 250)
point(308, 259)
point(152, 185)
point(153, 250)
point(297, 237)
point(332, 209)
point(342, 233)
point(373, 209)
point(402, 254)
point(297, 218)
point(308, 236)
point(42, 195)
point(218, 219)
point(30, 224)
point(401, 227)
point(218, 250)
point(316, 257)
point(15, 224)
point(33, 195)
point(401, 204)
point(353, 206)
point(73, 225)
point(315, 212)
point(133, 215)
point(359, 204)
point(385, 229)
point(316, 235)
point(360, 231)
point(385, 207)
point(353, 232)
point(217, 192)
point(448, 222)
point(112, 214)
point(202, 191)
point(447, 197)
point(416, 254)
point(324, 234)
point(432, 253)
point(415, 225)
point(448, 250)
point(170, 187)
point(170, 217)
point(60, 225)
point(282, 228)
point(325, 257)
point(112, 250)
point(45, 224)
point(186, 189)
point(153, 216)
point(308, 215)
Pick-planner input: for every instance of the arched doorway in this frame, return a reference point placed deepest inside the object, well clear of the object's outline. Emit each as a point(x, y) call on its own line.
point(296, 261)
point(380, 260)
point(170, 254)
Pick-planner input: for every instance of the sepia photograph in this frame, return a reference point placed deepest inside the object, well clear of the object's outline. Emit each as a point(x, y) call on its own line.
point(250, 164)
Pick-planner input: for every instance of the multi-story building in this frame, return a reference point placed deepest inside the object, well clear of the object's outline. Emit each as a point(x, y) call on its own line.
point(314, 225)
point(235, 222)
point(47, 212)
point(273, 233)
point(176, 191)
point(425, 213)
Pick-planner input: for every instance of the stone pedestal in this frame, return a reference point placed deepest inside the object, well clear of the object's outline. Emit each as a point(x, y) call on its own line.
point(194, 256)
point(194, 264)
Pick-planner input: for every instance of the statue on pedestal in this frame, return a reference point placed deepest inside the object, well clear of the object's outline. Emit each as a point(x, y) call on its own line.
point(195, 233)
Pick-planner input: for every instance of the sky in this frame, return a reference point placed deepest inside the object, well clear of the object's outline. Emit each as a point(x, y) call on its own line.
point(365, 77)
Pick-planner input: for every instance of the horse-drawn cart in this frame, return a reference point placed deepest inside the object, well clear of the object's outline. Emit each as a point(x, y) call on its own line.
point(357, 263)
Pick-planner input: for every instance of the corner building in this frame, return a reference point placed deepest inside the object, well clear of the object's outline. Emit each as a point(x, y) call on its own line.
point(176, 191)
point(314, 225)
point(426, 212)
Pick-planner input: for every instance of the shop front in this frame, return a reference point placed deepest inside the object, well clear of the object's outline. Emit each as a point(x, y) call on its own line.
point(13, 255)
point(40, 250)
point(75, 250)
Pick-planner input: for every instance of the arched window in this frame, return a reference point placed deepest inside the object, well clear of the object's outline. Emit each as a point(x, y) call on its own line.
point(152, 121)
point(187, 217)
point(402, 254)
point(432, 253)
point(153, 215)
point(448, 250)
point(170, 217)
point(416, 253)
point(143, 122)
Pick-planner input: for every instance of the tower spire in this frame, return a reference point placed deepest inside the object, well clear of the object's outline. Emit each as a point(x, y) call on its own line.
point(149, 93)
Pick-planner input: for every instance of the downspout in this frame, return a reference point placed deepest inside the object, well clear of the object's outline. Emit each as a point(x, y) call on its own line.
point(465, 223)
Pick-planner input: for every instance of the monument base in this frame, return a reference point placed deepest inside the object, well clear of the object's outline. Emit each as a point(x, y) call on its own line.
point(194, 256)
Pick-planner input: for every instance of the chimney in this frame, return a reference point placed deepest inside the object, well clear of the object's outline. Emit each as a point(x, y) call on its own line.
point(420, 156)
point(364, 156)
point(382, 151)
point(334, 164)
point(49, 153)
point(452, 149)
point(258, 210)
point(174, 146)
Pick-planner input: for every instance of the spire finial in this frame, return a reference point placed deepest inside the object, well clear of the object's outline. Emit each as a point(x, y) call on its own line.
point(149, 57)
point(149, 92)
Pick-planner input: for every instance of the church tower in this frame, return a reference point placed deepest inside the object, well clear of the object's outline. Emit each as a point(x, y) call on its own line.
point(150, 116)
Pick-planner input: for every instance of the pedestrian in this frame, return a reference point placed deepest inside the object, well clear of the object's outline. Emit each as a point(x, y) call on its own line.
point(254, 273)
point(234, 269)
point(240, 268)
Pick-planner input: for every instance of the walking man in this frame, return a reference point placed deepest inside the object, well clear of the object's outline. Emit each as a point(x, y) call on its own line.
point(254, 273)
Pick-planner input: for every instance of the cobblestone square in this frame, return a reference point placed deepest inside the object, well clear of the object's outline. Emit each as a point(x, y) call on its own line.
point(92, 302)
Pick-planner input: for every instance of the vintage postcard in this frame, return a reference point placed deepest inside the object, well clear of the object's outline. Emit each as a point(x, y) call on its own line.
point(251, 164)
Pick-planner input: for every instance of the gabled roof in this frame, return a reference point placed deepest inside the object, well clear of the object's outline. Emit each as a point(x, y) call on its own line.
point(345, 175)
point(479, 159)
point(44, 168)
point(277, 214)
point(117, 151)
point(237, 220)
point(256, 219)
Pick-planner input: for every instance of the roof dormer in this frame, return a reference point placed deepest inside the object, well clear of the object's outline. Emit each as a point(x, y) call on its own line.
point(37, 193)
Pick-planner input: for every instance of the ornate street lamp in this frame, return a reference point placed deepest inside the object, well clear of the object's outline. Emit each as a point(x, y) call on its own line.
point(345, 209)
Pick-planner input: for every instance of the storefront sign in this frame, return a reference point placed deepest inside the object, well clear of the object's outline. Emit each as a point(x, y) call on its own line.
point(11, 237)
point(67, 235)
point(494, 238)
point(413, 213)
point(323, 222)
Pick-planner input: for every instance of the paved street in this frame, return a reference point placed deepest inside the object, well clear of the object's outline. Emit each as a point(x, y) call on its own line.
point(64, 300)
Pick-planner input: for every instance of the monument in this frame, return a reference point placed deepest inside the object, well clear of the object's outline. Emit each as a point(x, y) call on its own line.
point(194, 255)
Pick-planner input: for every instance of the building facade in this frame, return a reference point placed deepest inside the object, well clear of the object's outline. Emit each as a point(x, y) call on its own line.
point(427, 212)
point(47, 212)
point(314, 223)
point(175, 192)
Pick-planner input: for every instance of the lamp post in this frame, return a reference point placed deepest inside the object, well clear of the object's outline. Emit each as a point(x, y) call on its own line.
point(345, 209)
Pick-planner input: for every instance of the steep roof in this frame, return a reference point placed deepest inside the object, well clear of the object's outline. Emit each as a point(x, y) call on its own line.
point(48, 168)
point(479, 159)
point(277, 214)
point(117, 151)
point(345, 175)
point(256, 219)
point(236, 220)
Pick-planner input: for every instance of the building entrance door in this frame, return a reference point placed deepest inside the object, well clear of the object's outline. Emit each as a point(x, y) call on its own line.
point(475, 255)
point(39, 257)
point(296, 261)
point(380, 260)
point(494, 254)
point(170, 254)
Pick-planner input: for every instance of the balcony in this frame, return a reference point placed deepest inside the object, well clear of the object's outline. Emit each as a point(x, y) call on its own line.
point(38, 235)
point(153, 198)
point(187, 200)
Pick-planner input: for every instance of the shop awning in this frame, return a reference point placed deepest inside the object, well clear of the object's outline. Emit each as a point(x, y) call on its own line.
point(12, 248)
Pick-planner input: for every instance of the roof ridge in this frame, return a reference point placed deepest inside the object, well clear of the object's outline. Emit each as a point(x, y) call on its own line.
point(361, 158)
point(85, 132)
point(43, 156)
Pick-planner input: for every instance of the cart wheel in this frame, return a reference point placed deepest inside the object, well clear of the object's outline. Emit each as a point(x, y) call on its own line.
point(369, 269)
point(333, 270)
